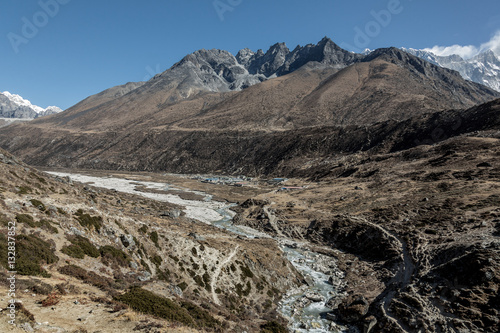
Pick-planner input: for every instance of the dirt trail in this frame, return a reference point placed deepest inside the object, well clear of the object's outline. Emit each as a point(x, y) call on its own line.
point(217, 273)
point(402, 279)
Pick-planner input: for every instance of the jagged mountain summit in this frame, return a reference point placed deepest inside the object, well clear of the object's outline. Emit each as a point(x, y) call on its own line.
point(215, 112)
point(220, 71)
point(483, 68)
point(13, 106)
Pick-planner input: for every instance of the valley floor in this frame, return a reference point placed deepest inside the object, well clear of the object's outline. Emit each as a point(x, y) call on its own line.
point(411, 241)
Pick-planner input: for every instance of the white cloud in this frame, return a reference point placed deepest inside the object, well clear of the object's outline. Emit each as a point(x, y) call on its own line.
point(493, 44)
point(467, 51)
point(464, 51)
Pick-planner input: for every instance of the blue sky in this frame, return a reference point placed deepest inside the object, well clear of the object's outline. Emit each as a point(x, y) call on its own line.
point(57, 52)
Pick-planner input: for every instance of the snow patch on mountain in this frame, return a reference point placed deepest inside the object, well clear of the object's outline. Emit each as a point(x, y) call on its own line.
point(13, 106)
point(483, 68)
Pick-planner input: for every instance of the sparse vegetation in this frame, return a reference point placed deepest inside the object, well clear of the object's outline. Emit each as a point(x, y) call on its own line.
point(4, 221)
point(88, 221)
point(47, 225)
point(38, 204)
point(87, 277)
point(26, 219)
point(112, 255)
point(186, 313)
point(31, 253)
point(52, 299)
point(154, 237)
point(24, 190)
point(80, 247)
point(246, 272)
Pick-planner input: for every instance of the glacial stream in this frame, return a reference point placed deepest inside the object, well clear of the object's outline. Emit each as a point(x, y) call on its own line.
point(305, 307)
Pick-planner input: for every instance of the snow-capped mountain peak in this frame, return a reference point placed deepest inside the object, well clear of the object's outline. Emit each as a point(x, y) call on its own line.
point(483, 68)
point(16, 99)
point(13, 106)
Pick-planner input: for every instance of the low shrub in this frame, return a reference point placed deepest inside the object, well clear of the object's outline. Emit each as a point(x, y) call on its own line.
point(4, 221)
point(38, 204)
point(143, 229)
point(157, 260)
point(24, 190)
point(31, 253)
point(26, 219)
point(91, 278)
point(186, 313)
point(112, 255)
point(88, 221)
point(80, 246)
point(146, 302)
point(154, 237)
point(47, 225)
point(246, 272)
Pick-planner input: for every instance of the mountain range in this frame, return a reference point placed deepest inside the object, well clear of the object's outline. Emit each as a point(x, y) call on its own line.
point(484, 68)
point(13, 106)
point(213, 111)
point(386, 168)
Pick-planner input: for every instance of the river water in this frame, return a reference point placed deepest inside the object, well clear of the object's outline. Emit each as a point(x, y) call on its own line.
point(304, 307)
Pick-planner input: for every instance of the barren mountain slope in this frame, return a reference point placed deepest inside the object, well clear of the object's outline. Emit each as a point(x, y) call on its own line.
point(419, 230)
point(89, 258)
point(274, 126)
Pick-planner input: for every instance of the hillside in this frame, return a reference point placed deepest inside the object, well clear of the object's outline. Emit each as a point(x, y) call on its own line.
point(100, 260)
point(334, 102)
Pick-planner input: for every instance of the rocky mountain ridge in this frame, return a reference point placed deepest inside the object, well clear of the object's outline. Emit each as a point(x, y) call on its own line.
point(483, 68)
point(15, 107)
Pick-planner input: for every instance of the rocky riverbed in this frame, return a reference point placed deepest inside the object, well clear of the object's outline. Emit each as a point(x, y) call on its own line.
point(308, 308)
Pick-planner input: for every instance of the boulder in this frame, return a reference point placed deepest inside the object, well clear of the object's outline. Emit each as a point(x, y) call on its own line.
point(353, 308)
point(127, 240)
point(315, 297)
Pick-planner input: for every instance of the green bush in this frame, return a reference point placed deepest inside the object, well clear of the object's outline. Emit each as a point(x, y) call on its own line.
point(31, 253)
point(145, 265)
point(4, 221)
point(24, 190)
point(87, 247)
point(47, 225)
point(91, 278)
point(157, 260)
point(143, 229)
point(38, 204)
point(146, 302)
point(154, 237)
point(186, 313)
point(246, 272)
point(26, 219)
point(88, 221)
point(73, 251)
point(80, 246)
point(111, 254)
point(44, 224)
point(183, 285)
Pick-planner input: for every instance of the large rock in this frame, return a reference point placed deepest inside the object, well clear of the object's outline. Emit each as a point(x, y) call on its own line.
point(353, 308)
